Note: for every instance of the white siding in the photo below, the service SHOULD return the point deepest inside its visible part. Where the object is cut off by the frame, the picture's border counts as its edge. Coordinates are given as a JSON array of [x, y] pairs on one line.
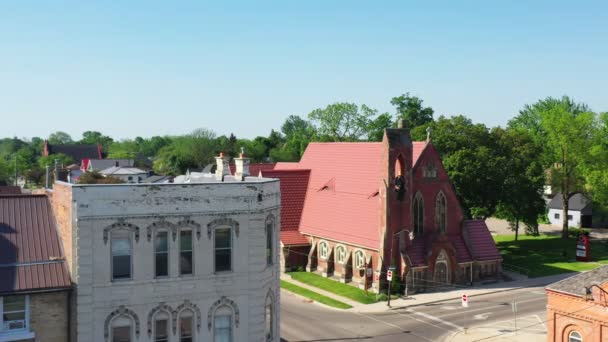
[[557, 221]]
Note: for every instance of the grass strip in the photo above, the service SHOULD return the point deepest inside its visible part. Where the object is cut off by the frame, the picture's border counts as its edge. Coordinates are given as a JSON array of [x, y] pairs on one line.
[[313, 295], [335, 287]]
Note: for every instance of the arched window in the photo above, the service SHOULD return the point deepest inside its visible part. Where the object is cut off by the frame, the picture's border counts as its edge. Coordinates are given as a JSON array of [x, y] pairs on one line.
[[340, 254], [122, 329], [269, 318], [186, 331], [121, 246], [575, 336], [161, 327], [323, 250], [418, 214], [441, 212], [161, 253], [359, 259], [269, 238], [222, 324], [399, 166]]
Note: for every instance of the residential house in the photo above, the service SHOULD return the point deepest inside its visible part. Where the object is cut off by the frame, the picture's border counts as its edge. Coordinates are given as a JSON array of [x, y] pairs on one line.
[[365, 206], [78, 152], [34, 279], [102, 164], [126, 173], [193, 260], [577, 307], [580, 211]]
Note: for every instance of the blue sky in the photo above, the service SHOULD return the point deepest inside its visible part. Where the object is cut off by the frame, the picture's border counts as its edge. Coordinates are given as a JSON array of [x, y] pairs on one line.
[[153, 68]]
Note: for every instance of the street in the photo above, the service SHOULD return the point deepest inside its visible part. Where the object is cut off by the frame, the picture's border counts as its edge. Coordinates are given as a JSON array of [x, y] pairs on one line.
[[305, 321]]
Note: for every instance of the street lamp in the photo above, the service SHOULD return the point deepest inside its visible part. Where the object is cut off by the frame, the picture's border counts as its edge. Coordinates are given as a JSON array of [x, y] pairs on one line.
[[589, 294], [392, 267]]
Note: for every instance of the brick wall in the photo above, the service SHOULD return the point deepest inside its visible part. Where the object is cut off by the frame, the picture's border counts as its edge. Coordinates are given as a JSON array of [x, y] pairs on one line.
[[61, 201], [49, 316], [567, 313]]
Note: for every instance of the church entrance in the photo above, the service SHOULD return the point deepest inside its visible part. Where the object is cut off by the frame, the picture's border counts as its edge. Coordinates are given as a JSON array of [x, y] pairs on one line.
[[442, 271]]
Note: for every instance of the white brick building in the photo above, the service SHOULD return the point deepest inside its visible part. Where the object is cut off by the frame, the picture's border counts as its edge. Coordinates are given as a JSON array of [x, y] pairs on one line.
[[173, 262]]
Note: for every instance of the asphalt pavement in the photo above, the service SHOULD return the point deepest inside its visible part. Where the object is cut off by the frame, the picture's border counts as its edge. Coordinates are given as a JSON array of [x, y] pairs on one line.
[[302, 320]]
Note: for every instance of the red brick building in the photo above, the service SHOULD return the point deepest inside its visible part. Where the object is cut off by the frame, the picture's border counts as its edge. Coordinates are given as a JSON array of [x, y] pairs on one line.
[[577, 308], [348, 207]]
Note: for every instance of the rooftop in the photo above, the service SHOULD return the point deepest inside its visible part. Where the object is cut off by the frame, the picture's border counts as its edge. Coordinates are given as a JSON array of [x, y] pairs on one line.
[[575, 285]]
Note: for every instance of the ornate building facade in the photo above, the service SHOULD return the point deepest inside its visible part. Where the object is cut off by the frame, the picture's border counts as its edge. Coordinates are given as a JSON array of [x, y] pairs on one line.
[[187, 261]]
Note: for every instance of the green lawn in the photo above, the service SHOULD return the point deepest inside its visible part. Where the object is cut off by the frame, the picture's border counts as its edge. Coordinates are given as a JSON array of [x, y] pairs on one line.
[[333, 286], [548, 254], [313, 295]]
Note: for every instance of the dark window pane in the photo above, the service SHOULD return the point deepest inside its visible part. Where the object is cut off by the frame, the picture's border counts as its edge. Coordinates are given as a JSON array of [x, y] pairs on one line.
[[121, 267], [185, 329], [185, 240], [162, 264], [222, 238], [160, 243], [121, 334], [223, 260], [161, 331], [185, 263], [269, 244]]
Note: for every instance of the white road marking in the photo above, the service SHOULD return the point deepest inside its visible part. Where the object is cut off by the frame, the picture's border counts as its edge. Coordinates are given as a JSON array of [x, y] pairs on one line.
[[450, 307], [392, 325], [482, 316], [436, 319], [541, 322]]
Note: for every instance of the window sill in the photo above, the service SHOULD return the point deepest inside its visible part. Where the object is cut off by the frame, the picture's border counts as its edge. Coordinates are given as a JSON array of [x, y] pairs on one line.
[[6, 336]]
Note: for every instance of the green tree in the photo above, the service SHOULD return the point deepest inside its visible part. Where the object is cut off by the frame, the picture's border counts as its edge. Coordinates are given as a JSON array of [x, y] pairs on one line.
[[595, 168], [50, 160], [569, 139], [522, 190], [191, 151], [343, 121], [410, 109], [5, 172], [60, 138], [94, 137], [94, 177], [375, 128]]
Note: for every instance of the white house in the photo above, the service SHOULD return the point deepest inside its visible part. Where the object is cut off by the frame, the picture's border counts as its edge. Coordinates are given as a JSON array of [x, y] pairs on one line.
[[126, 173], [173, 262], [580, 210]]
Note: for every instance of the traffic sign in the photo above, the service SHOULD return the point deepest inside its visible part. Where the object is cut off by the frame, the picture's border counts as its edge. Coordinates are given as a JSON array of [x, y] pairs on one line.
[[376, 276], [465, 301], [389, 275]]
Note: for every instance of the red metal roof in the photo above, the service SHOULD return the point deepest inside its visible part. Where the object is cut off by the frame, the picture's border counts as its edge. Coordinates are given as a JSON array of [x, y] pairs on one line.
[[31, 256], [293, 192], [254, 168], [293, 238], [480, 241], [417, 148], [339, 203], [462, 252], [10, 190], [417, 252]]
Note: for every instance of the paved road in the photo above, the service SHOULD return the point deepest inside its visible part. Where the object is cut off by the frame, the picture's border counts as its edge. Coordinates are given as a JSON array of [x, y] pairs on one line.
[[304, 321]]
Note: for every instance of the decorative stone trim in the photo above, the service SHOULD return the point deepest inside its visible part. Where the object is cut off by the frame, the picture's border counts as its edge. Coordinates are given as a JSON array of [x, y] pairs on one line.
[[160, 224], [121, 311], [219, 303], [187, 305], [224, 221], [121, 224], [161, 307], [188, 223]]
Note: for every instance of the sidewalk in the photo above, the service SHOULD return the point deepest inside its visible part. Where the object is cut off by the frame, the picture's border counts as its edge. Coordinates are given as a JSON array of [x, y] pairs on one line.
[[427, 298]]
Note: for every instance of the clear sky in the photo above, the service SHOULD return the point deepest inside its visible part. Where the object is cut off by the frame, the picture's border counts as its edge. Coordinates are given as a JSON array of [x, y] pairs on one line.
[[129, 68]]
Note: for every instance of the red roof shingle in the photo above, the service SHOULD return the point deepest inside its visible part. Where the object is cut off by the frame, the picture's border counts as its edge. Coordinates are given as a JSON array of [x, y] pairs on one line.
[[480, 241], [31, 256]]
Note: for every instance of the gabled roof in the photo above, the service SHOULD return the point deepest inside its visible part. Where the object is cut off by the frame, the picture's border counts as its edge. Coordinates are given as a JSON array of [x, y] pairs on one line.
[[348, 209], [480, 241], [31, 256], [417, 149], [119, 171], [101, 164], [577, 202], [76, 151], [575, 285]]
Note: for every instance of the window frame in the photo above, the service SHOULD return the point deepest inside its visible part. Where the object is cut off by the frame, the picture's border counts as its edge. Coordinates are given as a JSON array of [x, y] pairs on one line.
[[269, 319], [556, 216], [228, 313], [130, 325], [340, 252], [269, 229], [418, 214], [215, 249], [129, 235], [191, 316], [441, 212], [578, 338], [324, 255], [168, 329], [167, 252], [356, 259], [179, 246], [26, 319]]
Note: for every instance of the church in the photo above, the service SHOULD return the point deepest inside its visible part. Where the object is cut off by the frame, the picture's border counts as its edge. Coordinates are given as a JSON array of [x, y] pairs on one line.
[[351, 210]]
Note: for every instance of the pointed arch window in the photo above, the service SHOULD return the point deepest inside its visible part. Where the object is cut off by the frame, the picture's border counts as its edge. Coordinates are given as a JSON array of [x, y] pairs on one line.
[[269, 318], [269, 239], [418, 214], [441, 212], [359, 259], [323, 250], [341, 254]]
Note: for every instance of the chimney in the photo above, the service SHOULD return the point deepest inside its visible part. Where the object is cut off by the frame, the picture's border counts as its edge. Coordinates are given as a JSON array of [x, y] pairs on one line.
[[222, 167], [401, 123], [242, 166]]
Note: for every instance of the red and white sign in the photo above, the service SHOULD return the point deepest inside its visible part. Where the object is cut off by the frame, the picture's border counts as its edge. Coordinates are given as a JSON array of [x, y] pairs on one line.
[[389, 275], [376, 276], [465, 301]]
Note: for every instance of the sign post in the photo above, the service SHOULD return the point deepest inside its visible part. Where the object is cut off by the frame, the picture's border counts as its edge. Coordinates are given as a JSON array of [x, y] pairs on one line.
[[514, 308], [389, 278], [464, 300]]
